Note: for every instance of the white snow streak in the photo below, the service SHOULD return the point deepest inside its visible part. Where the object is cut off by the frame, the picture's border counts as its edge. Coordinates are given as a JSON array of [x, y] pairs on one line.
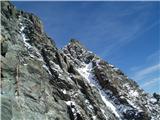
[[33, 52], [24, 37], [86, 72], [108, 103], [45, 67]]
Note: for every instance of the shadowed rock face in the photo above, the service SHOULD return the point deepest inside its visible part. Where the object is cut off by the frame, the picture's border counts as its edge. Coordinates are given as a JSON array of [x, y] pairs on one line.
[[41, 82]]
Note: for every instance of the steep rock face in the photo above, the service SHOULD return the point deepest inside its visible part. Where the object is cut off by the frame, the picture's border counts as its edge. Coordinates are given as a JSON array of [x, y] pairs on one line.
[[41, 82], [26, 70], [129, 100]]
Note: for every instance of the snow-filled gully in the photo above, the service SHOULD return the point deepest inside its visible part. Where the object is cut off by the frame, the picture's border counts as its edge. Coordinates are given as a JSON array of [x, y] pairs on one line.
[[86, 72]]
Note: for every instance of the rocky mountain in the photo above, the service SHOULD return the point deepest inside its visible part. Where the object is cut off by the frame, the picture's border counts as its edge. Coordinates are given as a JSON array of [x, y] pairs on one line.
[[41, 82]]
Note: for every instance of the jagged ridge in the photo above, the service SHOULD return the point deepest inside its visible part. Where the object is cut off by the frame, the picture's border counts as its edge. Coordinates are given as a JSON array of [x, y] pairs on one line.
[[42, 82]]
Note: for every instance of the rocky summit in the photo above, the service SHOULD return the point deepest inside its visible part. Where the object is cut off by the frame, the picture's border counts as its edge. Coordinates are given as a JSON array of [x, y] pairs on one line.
[[41, 82]]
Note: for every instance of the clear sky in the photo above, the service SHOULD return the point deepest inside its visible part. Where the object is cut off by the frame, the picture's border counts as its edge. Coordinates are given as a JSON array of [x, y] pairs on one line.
[[125, 34]]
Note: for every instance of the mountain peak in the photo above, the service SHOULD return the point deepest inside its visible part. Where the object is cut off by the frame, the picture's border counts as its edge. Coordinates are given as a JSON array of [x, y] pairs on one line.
[[74, 41], [78, 51]]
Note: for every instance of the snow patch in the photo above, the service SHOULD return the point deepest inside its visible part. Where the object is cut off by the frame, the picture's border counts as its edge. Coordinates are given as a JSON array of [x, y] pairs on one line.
[[94, 117], [70, 103], [153, 100], [111, 65], [64, 91], [116, 69], [133, 93]]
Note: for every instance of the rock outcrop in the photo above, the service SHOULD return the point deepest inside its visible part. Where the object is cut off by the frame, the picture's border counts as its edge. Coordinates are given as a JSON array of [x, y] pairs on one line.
[[41, 82]]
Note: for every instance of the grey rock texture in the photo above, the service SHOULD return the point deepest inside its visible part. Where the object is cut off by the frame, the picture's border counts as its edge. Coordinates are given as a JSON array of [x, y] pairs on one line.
[[41, 82]]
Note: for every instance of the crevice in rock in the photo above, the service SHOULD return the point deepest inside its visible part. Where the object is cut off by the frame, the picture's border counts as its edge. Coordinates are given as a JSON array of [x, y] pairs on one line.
[[79, 117], [30, 96], [4, 49], [71, 69], [57, 118], [55, 99], [59, 60], [85, 92], [1, 81], [48, 64], [157, 96], [73, 113], [70, 113], [2, 76], [65, 59]]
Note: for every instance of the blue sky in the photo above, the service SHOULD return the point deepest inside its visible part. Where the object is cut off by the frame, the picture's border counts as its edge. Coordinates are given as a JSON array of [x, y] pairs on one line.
[[125, 34]]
